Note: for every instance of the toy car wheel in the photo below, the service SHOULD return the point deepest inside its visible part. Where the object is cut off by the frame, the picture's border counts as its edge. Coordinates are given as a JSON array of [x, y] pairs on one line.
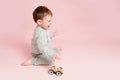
[[51, 72], [58, 73]]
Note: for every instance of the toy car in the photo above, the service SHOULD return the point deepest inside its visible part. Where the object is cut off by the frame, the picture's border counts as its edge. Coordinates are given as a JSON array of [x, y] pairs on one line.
[[53, 70]]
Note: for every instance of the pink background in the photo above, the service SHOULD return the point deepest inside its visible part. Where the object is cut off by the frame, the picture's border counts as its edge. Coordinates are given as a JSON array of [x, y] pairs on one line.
[[88, 32]]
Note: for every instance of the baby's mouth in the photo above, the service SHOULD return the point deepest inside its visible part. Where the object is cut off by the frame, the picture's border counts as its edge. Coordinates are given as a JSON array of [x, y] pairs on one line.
[[48, 26]]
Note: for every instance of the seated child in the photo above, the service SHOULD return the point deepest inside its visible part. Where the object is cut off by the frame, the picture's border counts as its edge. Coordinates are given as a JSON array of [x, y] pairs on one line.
[[42, 53]]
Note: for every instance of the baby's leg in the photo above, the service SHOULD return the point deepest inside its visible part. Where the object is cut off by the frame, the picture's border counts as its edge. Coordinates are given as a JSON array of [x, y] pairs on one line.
[[27, 62], [42, 60], [47, 60]]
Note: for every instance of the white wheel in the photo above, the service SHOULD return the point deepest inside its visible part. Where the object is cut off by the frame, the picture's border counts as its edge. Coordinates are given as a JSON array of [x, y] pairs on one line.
[[50, 72], [58, 73]]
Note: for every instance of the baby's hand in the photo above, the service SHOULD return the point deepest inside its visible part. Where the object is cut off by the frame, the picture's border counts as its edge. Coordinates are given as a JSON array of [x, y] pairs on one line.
[[57, 56], [60, 49], [55, 33]]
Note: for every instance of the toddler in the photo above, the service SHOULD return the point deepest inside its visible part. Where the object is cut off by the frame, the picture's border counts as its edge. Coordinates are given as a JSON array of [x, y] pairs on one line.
[[42, 53]]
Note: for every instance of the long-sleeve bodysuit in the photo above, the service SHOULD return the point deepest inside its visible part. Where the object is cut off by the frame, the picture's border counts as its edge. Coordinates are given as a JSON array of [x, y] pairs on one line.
[[41, 50]]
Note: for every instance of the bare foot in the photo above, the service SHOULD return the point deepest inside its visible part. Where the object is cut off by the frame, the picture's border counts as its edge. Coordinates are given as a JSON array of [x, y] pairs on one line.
[[25, 64], [28, 62]]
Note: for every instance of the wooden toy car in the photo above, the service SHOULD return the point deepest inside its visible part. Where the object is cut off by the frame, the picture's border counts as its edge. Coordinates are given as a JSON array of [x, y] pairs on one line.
[[53, 70]]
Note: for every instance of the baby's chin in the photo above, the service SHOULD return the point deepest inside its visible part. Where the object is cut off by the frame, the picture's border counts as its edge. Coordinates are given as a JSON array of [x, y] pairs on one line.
[[47, 27]]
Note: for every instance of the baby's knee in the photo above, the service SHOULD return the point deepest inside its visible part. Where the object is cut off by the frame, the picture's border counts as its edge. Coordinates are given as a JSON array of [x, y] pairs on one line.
[[51, 62]]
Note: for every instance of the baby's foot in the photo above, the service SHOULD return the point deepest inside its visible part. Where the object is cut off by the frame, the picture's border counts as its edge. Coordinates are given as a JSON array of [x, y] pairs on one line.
[[25, 64]]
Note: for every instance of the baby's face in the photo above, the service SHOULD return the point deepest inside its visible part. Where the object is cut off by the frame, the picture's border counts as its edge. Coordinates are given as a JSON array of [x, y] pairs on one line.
[[46, 22]]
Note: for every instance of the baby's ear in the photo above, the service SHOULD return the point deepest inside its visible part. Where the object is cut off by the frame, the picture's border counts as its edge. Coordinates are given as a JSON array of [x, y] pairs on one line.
[[39, 21]]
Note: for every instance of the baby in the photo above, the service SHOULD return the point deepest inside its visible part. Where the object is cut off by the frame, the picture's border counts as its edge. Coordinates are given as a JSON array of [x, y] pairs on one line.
[[42, 53]]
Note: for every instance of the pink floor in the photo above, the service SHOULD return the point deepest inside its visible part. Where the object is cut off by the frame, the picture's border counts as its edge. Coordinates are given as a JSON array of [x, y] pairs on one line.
[[89, 34], [85, 62]]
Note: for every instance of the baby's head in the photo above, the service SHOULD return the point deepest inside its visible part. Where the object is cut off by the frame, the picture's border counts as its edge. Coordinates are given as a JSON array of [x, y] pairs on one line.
[[42, 16]]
